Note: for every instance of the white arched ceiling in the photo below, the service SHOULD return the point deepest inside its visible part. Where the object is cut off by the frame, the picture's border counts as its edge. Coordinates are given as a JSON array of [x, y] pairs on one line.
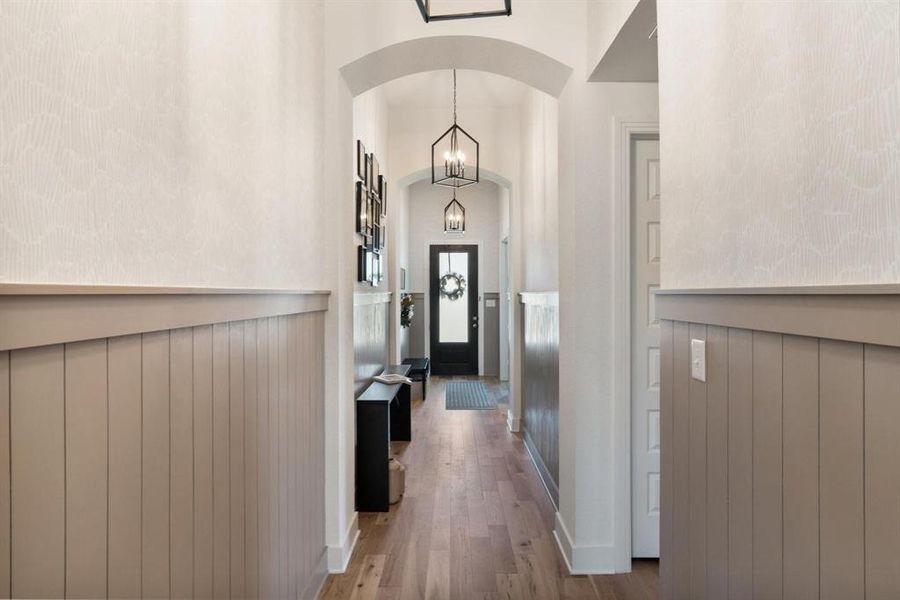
[[426, 174], [460, 52]]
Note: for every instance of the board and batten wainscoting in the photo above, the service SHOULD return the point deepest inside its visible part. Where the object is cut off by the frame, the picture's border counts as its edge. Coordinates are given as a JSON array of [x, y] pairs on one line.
[[540, 384], [417, 342], [491, 326], [371, 337], [161, 442], [780, 473]]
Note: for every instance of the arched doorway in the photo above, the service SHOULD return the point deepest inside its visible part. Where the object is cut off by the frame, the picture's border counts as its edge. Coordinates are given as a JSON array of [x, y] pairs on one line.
[[500, 57]]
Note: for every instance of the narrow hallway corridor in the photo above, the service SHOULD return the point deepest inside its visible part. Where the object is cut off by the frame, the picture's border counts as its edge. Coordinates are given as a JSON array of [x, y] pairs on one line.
[[475, 521]]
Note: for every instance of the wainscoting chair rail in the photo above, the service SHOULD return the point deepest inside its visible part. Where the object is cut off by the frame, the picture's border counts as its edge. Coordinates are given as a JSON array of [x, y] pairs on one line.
[[65, 289], [865, 314], [42, 315]]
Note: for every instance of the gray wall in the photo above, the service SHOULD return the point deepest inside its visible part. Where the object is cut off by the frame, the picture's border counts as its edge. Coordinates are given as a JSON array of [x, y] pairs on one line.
[[540, 386], [371, 341], [417, 345], [491, 325], [780, 473]]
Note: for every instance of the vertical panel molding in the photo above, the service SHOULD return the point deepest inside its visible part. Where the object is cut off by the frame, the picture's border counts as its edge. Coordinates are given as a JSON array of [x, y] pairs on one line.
[[540, 384], [181, 463], [779, 473]]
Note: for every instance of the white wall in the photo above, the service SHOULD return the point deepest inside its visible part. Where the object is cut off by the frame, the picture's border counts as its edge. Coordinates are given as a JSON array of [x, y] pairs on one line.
[[398, 226], [162, 144], [780, 145], [538, 193], [604, 20]]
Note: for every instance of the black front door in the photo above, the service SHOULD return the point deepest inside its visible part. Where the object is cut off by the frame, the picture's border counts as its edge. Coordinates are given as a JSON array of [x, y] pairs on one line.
[[454, 310]]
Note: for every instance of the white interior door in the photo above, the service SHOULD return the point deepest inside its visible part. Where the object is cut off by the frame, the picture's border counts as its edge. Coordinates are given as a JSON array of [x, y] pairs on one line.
[[645, 349]]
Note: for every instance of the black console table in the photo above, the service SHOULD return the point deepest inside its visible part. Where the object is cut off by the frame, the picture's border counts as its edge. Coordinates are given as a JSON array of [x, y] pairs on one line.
[[382, 415], [418, 371], [401, 407]]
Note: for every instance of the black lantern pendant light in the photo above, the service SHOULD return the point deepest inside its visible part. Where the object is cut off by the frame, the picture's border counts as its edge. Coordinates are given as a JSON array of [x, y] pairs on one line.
[[454, 217], [500, 8], [449, 154]]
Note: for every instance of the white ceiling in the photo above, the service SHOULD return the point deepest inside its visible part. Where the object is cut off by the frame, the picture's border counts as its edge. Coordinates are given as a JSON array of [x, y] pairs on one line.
[[434, 89]]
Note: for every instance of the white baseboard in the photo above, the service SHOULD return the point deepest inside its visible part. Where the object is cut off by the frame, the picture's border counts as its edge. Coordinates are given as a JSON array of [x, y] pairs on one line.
[[583, 560], [514, 423], [543, 472], [339, 556], [320, 575]]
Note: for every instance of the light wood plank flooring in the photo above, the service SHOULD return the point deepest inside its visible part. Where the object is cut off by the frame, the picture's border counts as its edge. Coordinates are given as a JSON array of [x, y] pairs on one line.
[[475, 523]]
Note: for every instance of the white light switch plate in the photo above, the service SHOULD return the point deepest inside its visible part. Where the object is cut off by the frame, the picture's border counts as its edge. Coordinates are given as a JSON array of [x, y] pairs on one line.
[[698, 360]]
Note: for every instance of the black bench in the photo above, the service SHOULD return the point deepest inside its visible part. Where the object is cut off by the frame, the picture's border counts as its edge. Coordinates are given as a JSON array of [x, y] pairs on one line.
[[419, 370], [383, 415]]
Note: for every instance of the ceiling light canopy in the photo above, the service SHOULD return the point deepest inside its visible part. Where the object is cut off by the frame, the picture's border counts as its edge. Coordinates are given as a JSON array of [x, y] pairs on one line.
[[440, 10], [450, 153]]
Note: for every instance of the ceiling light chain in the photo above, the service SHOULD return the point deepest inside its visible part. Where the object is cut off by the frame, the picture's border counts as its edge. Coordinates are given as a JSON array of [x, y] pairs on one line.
[[454, 96]]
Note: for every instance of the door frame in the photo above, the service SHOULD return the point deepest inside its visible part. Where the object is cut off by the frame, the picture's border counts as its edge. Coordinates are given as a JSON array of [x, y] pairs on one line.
[[626, 130], [479, 336], [505, 310], [427, 294]]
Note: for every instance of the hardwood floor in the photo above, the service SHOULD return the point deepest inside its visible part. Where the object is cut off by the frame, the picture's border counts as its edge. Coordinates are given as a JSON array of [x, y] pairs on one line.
[[475, 523]]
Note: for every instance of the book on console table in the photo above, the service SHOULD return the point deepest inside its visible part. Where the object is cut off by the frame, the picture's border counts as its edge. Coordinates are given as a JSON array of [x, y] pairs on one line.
[[392, 379]]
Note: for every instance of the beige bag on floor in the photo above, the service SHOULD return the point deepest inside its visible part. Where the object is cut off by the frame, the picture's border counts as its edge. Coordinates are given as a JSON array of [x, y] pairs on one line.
[[396, 481]]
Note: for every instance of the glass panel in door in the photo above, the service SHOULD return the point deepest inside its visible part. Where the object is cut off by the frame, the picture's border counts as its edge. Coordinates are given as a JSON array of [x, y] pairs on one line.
[[454, 308]]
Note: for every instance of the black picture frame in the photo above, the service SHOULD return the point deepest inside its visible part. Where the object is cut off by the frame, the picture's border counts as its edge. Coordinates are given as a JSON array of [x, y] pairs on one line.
[[368, 177], [372, 261], [377, 211], [362, 274], [376, 238], [360, 160], [376, 176], [370, 210], [363, 211], [382, 193], [375, 275]]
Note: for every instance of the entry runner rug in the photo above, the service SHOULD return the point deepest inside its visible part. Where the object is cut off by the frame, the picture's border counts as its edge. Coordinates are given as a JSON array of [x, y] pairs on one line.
[[468, 395]]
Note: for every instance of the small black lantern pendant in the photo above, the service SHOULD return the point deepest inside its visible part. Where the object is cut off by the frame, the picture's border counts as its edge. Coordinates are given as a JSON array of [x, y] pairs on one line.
[[448, 154], [454, 217]]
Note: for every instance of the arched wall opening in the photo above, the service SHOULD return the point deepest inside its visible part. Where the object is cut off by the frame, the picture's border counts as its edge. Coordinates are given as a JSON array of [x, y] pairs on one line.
[[488, 216], [542, 73]]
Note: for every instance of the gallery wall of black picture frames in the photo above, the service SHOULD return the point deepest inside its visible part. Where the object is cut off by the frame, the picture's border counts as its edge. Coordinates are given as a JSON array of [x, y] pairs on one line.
[[371, 216]]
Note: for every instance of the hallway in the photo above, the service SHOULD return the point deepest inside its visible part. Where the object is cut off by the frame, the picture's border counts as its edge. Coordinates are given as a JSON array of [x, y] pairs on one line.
[[475, 522]]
